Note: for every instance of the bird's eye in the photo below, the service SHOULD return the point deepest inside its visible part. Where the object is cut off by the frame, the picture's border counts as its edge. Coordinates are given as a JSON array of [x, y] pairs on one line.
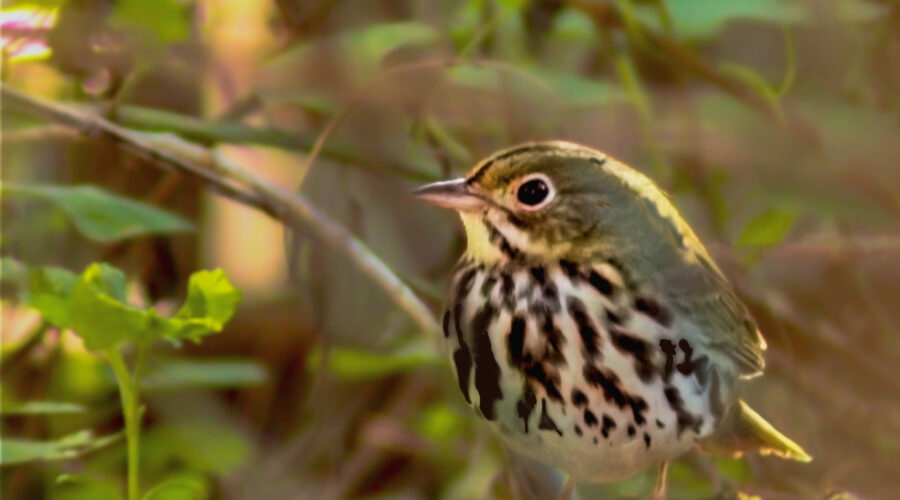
[[534, 192]]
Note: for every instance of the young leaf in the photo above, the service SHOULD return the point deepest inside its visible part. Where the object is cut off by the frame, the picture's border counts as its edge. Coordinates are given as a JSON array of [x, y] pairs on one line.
[[206, 373], [99, 313], [102, 216], [210, 303], [41, 408], [49, 291]]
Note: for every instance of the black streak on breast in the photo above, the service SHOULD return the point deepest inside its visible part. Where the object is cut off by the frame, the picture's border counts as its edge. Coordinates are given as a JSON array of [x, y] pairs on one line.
[[654, 310], [684, 418], [637, 348], [487, 371], [589, 336], [526, 405], [546, 422]]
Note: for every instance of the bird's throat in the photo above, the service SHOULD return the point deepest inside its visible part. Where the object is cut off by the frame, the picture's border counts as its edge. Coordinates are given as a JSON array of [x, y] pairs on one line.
[[479, 246]]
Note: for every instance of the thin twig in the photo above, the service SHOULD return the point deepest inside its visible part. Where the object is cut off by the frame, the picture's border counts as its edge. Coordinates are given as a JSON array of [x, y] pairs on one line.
[[233, 181]]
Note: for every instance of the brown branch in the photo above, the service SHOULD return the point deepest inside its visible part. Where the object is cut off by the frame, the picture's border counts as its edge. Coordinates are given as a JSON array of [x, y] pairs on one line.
[[231, 180]]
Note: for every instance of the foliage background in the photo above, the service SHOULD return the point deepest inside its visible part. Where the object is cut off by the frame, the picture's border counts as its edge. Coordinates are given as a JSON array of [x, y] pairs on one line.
[[773, 124]]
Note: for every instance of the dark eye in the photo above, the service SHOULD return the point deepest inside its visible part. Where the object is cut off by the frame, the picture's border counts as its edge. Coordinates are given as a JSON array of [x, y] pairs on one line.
[[533, 192]]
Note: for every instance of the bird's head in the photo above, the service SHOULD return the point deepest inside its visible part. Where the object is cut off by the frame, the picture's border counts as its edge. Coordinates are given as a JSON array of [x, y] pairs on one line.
[[558, 200]]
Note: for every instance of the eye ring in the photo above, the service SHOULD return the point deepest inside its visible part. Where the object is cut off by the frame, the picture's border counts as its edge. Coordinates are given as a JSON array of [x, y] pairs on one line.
[[534, 192]]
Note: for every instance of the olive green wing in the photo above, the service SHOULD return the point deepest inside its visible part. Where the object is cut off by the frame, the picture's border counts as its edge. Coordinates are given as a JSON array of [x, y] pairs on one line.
[[723, 323]]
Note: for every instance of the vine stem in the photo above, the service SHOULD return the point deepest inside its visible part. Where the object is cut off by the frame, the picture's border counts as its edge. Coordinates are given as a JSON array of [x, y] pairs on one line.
[[128, 392]]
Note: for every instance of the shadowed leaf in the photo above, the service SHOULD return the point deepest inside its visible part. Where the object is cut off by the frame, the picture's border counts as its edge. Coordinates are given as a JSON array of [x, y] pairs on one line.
[[102, 216]]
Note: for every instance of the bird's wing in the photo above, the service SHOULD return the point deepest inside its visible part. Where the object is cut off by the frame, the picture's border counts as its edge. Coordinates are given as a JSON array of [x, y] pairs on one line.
[[724, 324]]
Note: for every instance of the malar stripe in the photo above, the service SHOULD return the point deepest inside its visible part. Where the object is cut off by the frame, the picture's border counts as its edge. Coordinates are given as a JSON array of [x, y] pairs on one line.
[[497, 238]]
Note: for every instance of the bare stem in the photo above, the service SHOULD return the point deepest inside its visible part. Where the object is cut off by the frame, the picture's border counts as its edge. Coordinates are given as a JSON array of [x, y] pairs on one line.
[[230, 179]]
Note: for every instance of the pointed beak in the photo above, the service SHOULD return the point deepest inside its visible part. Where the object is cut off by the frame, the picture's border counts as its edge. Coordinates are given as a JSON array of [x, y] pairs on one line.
[[454, 194]]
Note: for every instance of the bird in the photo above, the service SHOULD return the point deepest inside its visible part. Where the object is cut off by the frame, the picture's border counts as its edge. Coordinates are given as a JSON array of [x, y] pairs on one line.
[[588, 325]]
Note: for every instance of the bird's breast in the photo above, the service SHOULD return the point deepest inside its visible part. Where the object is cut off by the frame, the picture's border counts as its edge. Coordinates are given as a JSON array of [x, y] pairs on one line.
[[576, 367]]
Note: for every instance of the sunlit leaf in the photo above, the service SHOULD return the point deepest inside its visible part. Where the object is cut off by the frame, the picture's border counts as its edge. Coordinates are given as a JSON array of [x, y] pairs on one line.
[[210, 303], [99, 313], [41, 408], [102, 216], [17, 451], [768, 228], [204, 373]]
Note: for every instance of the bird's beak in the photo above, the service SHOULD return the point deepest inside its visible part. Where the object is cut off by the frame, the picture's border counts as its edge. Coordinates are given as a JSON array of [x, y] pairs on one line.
[[454, 194]]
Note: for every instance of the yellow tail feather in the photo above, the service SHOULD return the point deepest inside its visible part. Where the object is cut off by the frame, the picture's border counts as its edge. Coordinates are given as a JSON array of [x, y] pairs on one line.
[[744, 430]]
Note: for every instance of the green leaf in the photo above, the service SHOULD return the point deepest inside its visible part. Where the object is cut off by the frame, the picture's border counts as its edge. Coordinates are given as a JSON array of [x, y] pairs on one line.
[[210, 303], [41, 408], [166, 20], [17, 451], [102, 216], [357, 364], [705, 18], [207, 373], [375, 42], [362, 49], [768, 228], [99, 313], [180, 487], [753, 80], [49, 291], [79, 487]]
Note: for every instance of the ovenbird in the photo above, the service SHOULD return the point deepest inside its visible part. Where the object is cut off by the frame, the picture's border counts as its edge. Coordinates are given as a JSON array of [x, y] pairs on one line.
[[588, 324]]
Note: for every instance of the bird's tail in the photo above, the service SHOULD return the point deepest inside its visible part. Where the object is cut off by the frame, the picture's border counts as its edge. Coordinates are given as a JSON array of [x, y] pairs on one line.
[[744, 430]]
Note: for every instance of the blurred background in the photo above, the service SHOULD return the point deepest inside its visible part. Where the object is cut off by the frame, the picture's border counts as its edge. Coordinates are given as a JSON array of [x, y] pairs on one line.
[[773, 124]]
